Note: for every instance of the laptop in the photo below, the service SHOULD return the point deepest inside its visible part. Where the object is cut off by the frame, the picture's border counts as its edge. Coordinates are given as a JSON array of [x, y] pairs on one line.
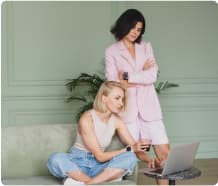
[[180, 158]]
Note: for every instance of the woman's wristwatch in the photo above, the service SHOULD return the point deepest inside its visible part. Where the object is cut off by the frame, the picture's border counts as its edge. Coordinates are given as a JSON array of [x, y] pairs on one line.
[[129, 148], [125, 76]]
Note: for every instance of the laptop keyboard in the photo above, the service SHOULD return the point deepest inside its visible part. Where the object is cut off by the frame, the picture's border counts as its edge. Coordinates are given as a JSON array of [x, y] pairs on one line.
[[159, 171]]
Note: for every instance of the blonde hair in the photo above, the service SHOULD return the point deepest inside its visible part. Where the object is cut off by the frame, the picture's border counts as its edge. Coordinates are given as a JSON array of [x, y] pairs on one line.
[[105, 90]]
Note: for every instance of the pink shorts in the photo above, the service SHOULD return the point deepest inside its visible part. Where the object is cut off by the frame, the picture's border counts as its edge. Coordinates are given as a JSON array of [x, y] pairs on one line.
[[153, 130]]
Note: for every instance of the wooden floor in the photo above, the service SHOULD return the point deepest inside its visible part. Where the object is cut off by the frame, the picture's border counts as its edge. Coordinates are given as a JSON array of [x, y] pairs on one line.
[[209, 174]]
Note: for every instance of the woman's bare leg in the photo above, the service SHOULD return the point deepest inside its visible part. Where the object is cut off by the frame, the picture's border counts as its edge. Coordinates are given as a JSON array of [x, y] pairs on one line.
[[107, 175], [161, 152]]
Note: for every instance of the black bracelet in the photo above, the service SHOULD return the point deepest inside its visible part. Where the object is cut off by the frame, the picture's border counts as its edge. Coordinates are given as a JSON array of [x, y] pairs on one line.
[[129, 148], [125, 76]]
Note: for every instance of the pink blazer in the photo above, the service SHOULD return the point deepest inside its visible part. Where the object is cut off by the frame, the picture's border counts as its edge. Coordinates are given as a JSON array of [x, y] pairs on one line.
[[142, 98]]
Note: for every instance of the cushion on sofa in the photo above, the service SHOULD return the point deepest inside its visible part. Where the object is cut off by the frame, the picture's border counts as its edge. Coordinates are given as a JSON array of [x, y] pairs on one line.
[[25, 149]]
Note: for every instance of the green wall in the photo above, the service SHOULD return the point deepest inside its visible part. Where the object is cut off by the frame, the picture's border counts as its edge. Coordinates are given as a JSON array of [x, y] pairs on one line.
[[44, 43]]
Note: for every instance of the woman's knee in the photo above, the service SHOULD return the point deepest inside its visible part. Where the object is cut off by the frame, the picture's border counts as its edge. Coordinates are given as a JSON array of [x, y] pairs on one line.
[[131, 158], [55, 159], [128, 158], [57, 164]]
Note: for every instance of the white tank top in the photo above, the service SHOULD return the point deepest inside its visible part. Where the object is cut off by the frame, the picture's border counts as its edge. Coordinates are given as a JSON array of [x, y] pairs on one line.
[[104, 132]]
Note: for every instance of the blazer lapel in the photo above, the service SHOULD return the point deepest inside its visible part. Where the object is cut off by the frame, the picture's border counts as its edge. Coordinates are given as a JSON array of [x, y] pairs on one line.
[[125, 54], [139, 52]]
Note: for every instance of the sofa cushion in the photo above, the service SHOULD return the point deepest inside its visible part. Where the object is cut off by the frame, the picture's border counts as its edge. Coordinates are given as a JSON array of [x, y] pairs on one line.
[[25, 149]]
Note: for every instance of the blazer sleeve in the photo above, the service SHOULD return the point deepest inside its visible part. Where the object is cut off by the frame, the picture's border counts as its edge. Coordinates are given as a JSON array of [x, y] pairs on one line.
[[111, 72], [145, 76]]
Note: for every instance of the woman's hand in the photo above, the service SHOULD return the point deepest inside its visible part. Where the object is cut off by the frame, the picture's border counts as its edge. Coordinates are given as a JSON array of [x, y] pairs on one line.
[[148, 64], [140, 146], [125, 83], [153, 163]]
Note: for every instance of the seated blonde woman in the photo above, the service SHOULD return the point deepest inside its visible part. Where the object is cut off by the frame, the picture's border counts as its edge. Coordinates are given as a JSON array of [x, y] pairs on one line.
[[87, 162]]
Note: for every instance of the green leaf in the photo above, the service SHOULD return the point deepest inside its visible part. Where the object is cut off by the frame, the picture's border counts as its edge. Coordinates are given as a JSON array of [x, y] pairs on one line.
[[84, 79], [76, 98], [164, 85]]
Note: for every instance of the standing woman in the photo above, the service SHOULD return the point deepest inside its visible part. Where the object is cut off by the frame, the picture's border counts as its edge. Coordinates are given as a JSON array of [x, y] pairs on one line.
[[131, 62]]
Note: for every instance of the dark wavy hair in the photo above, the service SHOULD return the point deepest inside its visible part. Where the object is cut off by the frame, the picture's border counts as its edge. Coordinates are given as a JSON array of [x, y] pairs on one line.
[[126, 22]]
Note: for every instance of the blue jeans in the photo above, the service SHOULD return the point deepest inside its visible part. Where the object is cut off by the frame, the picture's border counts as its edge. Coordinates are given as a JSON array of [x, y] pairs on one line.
[[61, 163]]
